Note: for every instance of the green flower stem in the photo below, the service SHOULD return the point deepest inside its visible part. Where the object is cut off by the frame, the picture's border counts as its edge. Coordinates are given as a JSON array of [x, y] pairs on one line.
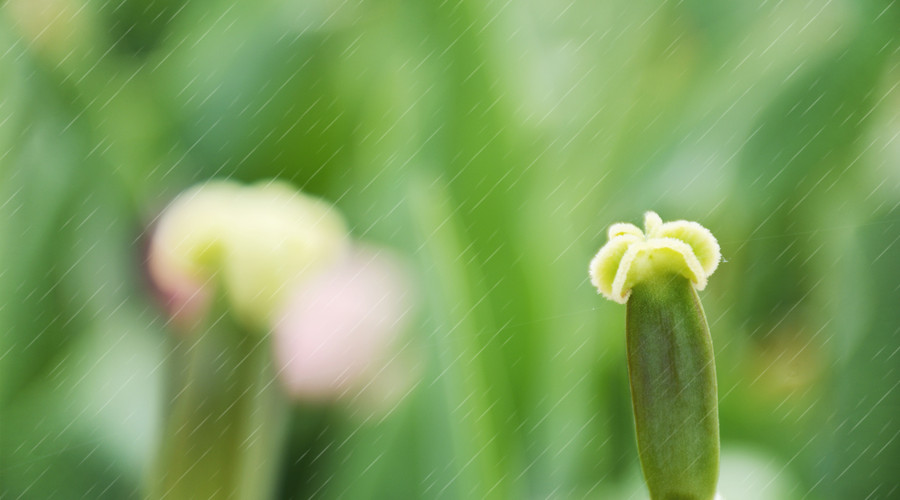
[[673, 389], [226, 419]]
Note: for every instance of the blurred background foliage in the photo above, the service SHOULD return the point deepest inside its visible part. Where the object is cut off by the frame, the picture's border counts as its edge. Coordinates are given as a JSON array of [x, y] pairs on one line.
[[492, 143]]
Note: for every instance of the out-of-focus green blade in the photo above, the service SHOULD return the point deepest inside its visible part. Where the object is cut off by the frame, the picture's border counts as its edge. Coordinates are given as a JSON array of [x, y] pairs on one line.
[[468, 369]]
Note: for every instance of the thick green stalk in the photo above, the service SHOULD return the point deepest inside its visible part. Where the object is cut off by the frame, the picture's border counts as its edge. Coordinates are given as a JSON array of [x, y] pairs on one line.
[[225, 420], [673, 389]]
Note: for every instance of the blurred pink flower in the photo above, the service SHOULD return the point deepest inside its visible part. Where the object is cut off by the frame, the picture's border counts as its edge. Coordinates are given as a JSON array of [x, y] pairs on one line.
[[338, 335]]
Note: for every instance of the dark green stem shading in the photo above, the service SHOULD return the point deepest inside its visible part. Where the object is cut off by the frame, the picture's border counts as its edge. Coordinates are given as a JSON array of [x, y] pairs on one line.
[[673, 389], [225, 421]]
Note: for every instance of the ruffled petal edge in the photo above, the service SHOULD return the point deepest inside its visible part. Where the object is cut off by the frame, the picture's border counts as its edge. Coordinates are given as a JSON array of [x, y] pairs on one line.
[[652, 257], [702, 242], [604, 266]]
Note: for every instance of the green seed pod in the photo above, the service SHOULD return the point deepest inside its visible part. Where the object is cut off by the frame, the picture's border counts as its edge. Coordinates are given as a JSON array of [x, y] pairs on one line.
[[670, 355]]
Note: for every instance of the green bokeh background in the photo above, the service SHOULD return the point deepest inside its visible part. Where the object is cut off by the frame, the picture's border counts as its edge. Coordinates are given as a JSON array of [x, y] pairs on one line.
[[491, 143]]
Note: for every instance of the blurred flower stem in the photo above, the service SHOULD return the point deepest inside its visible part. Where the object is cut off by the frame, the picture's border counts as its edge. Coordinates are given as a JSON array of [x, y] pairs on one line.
[[226, 417]]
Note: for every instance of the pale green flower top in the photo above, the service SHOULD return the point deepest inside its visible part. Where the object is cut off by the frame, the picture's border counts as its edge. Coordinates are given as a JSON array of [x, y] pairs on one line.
[[631, 255], [255, 242]]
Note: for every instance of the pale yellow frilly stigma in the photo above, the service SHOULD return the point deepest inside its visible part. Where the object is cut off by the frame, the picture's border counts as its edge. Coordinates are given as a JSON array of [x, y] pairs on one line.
[[631, 255]]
